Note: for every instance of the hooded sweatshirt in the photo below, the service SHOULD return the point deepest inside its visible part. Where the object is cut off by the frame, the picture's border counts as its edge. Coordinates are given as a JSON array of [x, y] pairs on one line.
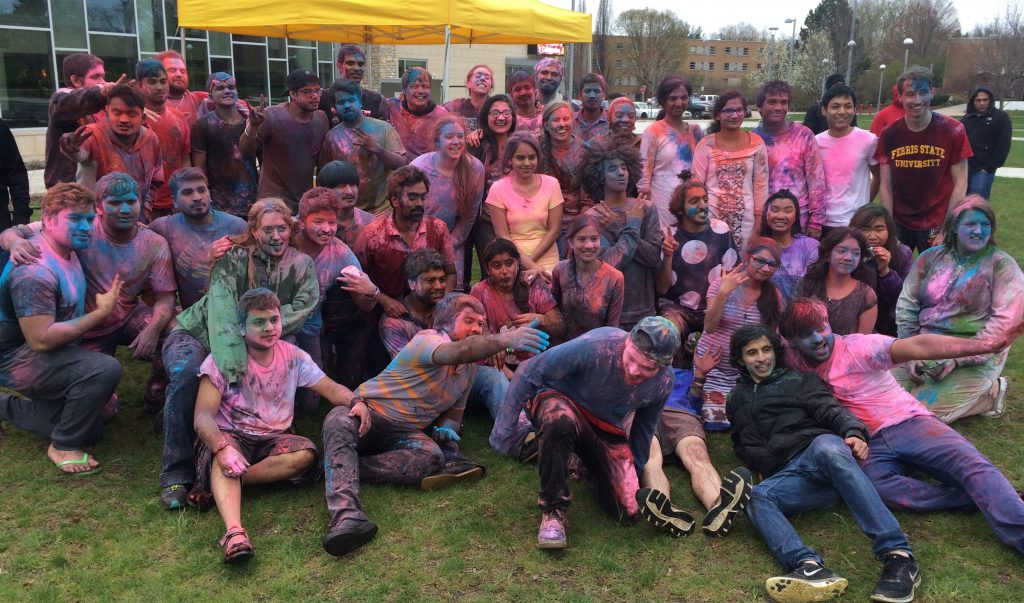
[[989, 132]]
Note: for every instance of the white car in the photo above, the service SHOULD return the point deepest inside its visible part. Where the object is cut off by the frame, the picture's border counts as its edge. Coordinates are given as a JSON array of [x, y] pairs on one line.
[[643, 110], [708, 99]]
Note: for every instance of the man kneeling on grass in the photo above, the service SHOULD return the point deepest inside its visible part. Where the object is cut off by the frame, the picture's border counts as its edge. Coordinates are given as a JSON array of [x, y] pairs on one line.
[[416, 404], [245, 429], [787, 426]]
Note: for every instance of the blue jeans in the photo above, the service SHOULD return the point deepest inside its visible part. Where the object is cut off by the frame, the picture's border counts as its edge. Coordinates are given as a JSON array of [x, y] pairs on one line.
[[980, 182], [489, 387], [818, 477], [182, 356], [966, 477]]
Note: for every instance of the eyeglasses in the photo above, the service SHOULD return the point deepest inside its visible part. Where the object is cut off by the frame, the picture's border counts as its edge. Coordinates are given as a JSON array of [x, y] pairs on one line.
[[763, 263], [732, 111], [310, 91], [496, 113]]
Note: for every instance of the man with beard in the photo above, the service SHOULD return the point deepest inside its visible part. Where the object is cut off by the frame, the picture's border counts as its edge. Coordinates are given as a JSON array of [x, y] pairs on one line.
[[289, 135], [187, 102], [351, 66], [529, 113], [415, 115], [170, 128], [548, 75], [371, 145], [590, 121]]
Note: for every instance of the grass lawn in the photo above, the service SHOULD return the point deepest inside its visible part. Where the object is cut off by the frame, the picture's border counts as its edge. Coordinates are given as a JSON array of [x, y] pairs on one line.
[[105, 538]]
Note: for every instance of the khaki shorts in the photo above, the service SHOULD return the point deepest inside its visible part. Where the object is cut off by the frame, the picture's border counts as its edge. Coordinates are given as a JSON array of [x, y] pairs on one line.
[[674, 426]]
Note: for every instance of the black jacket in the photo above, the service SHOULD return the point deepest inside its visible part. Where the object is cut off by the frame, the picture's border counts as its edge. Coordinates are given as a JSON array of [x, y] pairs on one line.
[[776, 419], [14, 197], [989, 133]]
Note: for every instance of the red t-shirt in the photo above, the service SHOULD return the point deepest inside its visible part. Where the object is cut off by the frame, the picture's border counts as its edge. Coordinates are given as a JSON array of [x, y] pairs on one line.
[[172, 130], [921, 164]]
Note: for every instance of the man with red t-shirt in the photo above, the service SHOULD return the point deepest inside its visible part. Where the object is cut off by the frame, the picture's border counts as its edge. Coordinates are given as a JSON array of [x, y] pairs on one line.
[[170, 128], [187, 102], [924, 163]]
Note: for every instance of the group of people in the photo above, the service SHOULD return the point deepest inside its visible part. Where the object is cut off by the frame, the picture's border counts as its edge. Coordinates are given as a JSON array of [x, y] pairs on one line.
[[636, 292]]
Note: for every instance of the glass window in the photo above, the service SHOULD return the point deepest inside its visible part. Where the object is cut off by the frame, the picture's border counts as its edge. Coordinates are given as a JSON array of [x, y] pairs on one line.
[[278, 75], [303, 43], [220, 44], [27, 13], [252, 39], [26, 78], [250, 71], [151, 25], [276, 48], [118, 54], [220, 64], [302, 58], [325, 52], [68, 17], [327, 74], [196, 57], [407, 64], [114, 16]]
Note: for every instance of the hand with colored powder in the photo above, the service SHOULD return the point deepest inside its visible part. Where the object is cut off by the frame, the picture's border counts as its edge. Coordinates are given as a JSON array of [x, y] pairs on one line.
[[527, 339], [25, 251], [445, 434]]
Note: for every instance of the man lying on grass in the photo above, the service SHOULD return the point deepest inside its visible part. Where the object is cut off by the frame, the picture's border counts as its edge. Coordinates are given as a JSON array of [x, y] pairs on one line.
[[244, 430]]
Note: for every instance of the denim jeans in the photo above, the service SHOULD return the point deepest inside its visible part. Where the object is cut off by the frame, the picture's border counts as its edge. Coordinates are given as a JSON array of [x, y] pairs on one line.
[[824, 473], [967, 478], [488, 388], [980, 182], [182, 356]]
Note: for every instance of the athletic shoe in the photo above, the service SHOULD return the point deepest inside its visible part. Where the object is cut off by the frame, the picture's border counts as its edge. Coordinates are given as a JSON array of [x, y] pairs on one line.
[[900, 578], [808, 582], [346, 540], [999, 407], [551, 534], [732, 499], [657, 509], [174, 496], [453, 472], [529, 448]]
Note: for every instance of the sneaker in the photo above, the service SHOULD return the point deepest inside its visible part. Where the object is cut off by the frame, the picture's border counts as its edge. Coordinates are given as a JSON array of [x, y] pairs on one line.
[[529, 448], [900, 578], [999, 406], [657, 509], [732, 499], [346, 540], [551, 534], [174, 496], [808, 582], [453, 472]]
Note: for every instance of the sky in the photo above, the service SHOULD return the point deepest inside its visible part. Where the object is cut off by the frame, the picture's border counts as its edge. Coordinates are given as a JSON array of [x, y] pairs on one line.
[[707, 15]]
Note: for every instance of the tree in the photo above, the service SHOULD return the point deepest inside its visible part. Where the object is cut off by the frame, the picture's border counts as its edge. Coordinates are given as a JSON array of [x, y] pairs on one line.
[[814, 61], [998, 59], [742, 32], [602, 29], [930, 23], [654, 42]]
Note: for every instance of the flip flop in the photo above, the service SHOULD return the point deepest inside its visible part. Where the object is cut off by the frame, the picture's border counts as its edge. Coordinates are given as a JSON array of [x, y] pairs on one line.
[[82, 461]]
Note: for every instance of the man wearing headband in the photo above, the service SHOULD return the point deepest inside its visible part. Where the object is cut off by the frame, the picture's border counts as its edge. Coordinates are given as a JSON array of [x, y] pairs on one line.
[[548, 75], [579, 397]]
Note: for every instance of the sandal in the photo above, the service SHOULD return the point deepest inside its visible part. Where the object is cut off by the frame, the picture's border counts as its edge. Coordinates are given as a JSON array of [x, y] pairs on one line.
[[239, 550], [77, 463]]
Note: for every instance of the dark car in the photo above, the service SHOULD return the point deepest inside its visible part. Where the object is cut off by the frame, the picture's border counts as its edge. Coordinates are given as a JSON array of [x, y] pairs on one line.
[[698, 110]]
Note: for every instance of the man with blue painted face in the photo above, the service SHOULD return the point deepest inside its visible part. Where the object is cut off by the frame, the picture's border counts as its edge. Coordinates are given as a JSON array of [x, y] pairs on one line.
[[42, 315], [789, 428], [590, 121], [904, 433], [372, 145]]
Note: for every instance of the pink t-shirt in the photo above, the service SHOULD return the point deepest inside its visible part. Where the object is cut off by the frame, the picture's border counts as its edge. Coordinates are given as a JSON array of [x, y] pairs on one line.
[[528, 218], [263, 403], [858, 372]]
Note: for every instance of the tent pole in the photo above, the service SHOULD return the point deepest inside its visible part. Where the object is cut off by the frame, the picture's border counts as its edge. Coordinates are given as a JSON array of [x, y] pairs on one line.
[[447, 61]]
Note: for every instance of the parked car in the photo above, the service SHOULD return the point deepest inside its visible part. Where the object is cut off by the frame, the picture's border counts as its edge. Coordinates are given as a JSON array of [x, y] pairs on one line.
[[698, 109], [708, 99], [643, 110]]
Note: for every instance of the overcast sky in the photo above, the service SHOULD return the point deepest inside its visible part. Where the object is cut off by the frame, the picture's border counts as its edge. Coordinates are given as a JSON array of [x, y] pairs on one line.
[[710, 15]]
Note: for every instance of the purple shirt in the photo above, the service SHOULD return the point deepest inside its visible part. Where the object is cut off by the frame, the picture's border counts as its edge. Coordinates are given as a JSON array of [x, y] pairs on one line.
[[794, 162], [290, 150], [233, 177], [416, 131]]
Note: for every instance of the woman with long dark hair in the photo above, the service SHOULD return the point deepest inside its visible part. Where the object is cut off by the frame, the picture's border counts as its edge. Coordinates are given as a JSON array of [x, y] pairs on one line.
[[667, 145], [561, 153], [497, 121], [888, 258], [588, 290], [840, 279], [780, 221]]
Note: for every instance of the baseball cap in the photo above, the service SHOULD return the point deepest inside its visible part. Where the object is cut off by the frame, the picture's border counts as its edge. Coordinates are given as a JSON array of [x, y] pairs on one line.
[[657, 338]]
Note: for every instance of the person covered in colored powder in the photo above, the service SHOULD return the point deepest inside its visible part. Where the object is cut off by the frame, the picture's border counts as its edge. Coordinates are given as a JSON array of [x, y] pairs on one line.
[[631, 234], [841, 280], [287, 138], [416, 406], [547, 73], [351, 64], [579, 396], [245, 430], [63, 386], [621, 125], [780, 221], [966, 287], [343, 178], [171, 128], [523, 90], [119, 144], [924, 163], [733, 164], [589, 291], [667, 145], [590, 121], [814, 119], [456, 188], [479, 84], [497, 122], [372, 145], [805, 445], [415, 115], [904, 433], [233, 178], [561, 156], [794, 162], [263, 256], [189, 103], [888, 258]]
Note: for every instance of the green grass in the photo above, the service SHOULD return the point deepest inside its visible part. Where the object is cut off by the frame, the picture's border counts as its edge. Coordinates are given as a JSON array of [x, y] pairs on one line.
[[105, 538]]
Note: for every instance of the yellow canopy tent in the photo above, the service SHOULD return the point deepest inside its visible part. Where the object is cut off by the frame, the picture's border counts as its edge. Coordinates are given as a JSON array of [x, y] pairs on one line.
[[375, 22]]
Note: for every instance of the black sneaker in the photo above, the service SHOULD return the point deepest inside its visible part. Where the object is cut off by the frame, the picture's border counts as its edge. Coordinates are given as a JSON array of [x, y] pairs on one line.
[[529, 448], [657, 509], [733, 498], [454, 471], [900, 578], [808, 582], [343, 541]]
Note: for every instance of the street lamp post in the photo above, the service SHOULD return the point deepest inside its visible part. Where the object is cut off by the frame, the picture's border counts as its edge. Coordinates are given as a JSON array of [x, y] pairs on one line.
[[849, 59], [907, 43], [792, 44], [824, 77], [771, 50], [881, 75]]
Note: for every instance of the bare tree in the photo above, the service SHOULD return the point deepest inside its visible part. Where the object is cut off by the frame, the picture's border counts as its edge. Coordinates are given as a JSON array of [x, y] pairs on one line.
[[815, 60], [931, 24], [742, 32], [998, 56], [654, 42], [602, 29]]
